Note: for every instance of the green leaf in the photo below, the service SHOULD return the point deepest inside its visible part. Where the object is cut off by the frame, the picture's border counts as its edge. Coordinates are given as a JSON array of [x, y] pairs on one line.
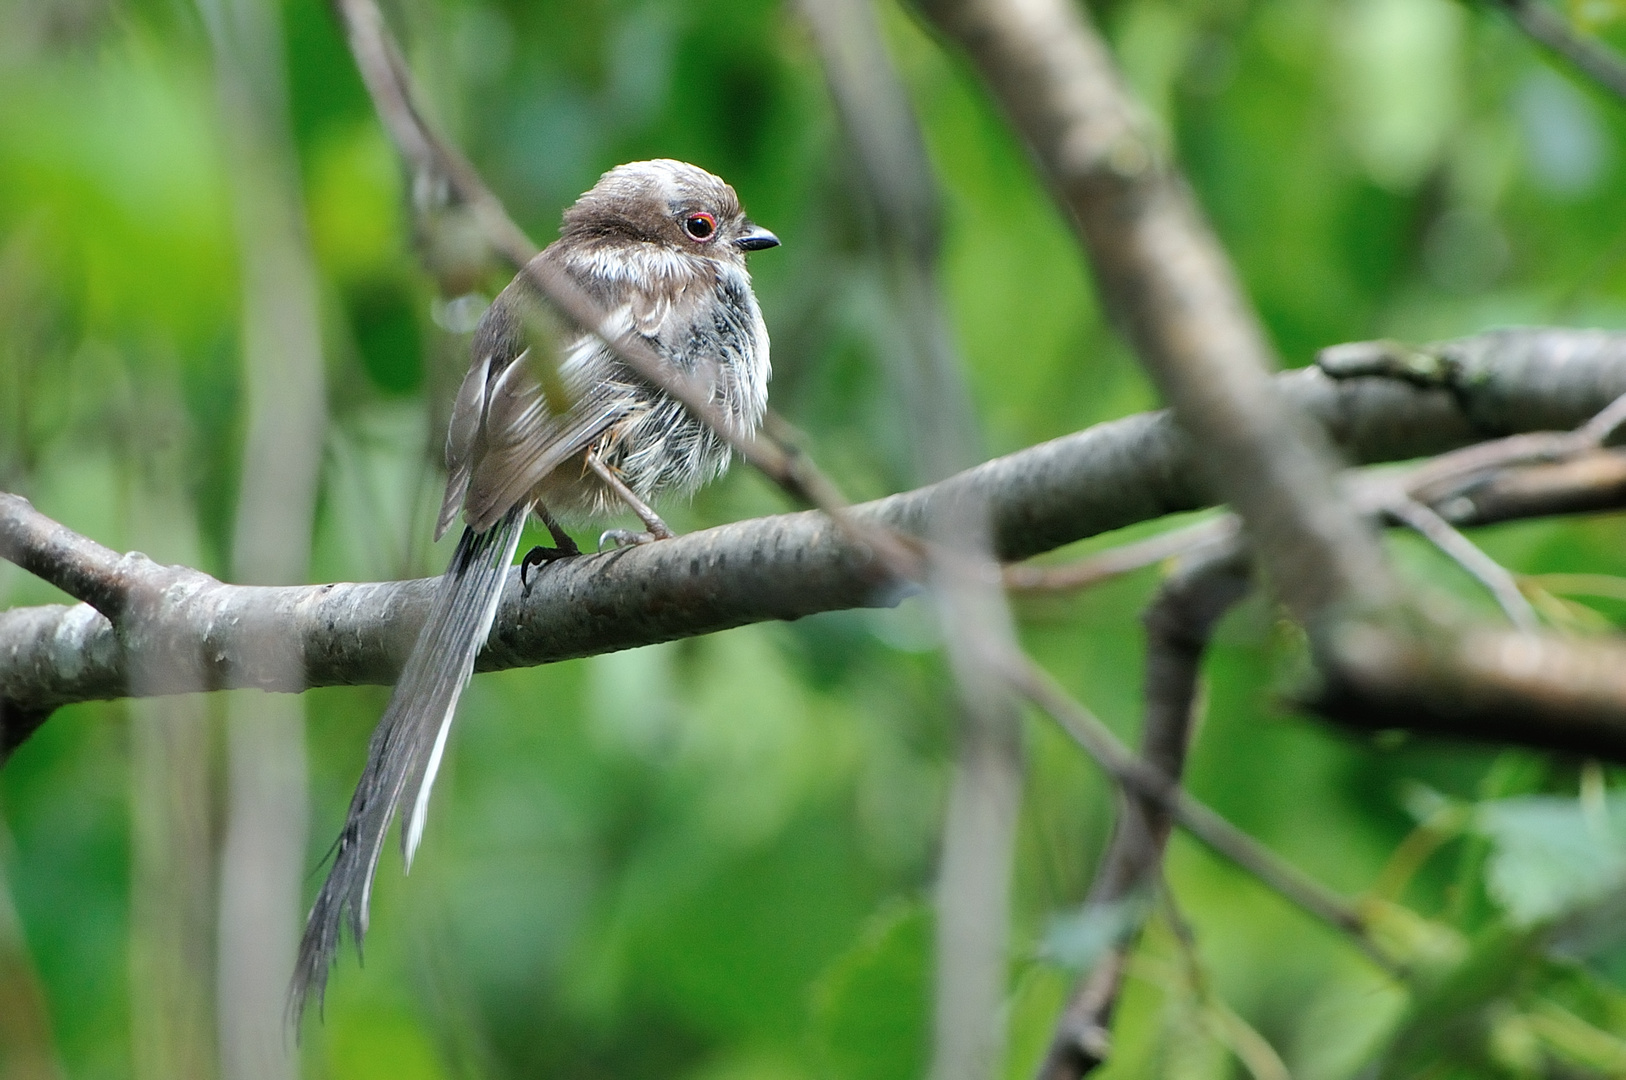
[[870, 1007], [1550, 855], [1078, 939]]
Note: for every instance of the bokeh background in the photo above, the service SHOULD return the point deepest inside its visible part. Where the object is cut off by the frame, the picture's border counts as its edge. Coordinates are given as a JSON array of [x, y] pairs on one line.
[[713, 859]]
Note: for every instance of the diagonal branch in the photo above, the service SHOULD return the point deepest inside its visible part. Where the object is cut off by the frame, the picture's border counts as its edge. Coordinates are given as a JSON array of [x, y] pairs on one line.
[[1554, 33], [1496, 579], [1169, 286], [442, 177], [1140, 778]]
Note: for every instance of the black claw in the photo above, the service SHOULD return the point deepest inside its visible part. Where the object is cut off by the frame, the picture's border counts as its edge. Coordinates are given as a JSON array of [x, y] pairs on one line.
[[540, 556]]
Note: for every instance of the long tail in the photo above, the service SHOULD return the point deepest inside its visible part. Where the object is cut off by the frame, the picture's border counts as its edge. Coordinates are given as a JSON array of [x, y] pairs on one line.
[[406, 748]]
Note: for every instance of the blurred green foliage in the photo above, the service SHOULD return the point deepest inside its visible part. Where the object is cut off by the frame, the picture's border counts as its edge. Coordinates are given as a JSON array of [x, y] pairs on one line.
[[713, 859]]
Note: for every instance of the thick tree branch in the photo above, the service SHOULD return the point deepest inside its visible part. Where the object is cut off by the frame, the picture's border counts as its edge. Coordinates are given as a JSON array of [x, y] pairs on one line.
[[1165, 280], [183, 629], [1483, 684], [1179, 622]]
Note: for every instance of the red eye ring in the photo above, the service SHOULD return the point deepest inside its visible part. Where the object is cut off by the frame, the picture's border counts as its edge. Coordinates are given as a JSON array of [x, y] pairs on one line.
[[700, 227]]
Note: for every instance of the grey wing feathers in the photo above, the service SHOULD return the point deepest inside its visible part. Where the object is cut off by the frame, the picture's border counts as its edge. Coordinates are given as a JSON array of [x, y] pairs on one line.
[[526, 436], [525, 406], [463, 440], [405, 750]]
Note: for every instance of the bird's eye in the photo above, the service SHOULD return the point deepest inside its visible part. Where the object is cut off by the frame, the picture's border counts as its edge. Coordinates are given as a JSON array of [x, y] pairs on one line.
[[700, 227]]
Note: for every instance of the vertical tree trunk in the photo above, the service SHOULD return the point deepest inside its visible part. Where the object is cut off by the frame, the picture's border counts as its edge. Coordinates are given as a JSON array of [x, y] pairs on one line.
[[171, 783], [262, 861]]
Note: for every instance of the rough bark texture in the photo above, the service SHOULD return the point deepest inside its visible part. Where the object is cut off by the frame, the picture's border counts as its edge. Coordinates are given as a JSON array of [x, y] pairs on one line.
[[1169, 286], [204, 633]]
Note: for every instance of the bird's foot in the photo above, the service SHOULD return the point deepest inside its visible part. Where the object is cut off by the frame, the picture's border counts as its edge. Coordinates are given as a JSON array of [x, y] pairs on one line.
[[622, 538], [540, 556]]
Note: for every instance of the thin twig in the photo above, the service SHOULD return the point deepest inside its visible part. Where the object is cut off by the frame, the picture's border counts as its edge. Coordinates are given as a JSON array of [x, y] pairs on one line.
[[1553, 32], [1466, 554], [1221, 836], [441, 175], [1225, 1025], [1115, 562], [1601, 428], [1179, 623], [1442, 476]]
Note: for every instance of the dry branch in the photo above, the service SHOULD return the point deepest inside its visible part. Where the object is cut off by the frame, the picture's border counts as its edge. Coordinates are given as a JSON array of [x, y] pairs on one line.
[[1496, 579], [1144, 781]]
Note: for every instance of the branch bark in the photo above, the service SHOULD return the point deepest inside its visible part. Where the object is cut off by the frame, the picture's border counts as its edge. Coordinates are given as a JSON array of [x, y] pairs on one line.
[[185, 630], [973, 894], [1179, 623], [1166, 282]]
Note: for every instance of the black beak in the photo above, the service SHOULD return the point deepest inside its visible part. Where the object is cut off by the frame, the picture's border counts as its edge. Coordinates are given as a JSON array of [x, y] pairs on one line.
[[756, 238]]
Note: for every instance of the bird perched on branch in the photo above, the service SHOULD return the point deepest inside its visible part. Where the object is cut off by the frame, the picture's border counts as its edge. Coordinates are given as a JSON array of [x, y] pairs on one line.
[[551, 420]]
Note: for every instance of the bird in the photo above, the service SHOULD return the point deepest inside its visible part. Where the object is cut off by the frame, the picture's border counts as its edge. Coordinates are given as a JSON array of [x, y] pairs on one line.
[[549, 420]]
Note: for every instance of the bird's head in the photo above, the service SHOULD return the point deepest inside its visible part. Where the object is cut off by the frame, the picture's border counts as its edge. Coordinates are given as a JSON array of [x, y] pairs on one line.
[[666, 202]]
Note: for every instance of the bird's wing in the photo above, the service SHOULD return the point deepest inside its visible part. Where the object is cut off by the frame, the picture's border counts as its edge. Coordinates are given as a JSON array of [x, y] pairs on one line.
[[528, 432], [548, 404], [463, 439]]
